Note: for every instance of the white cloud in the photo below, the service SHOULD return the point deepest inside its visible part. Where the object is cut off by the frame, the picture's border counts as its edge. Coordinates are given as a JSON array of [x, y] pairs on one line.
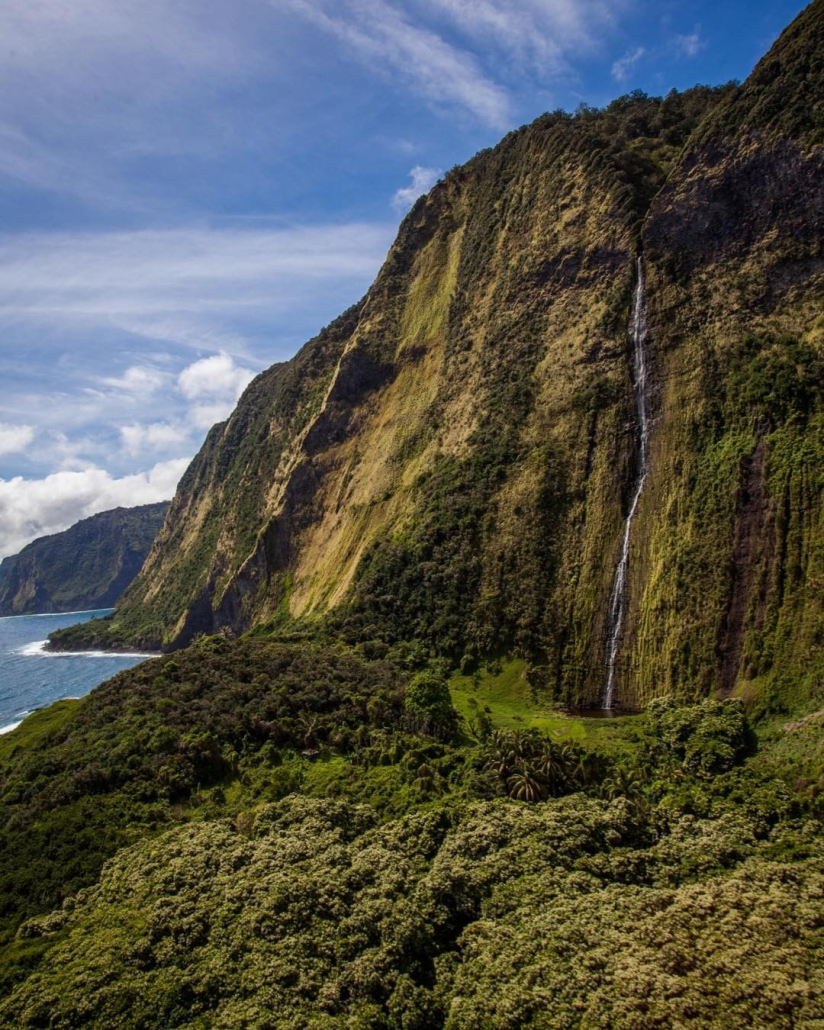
[[423, 179], [204, 416], [210, 388], [622, 68], [385, 39], [14, 439], [140, 380], [154, 436], [690, 44], [186, 278], [217, 375], [543, 34], [30, 508]]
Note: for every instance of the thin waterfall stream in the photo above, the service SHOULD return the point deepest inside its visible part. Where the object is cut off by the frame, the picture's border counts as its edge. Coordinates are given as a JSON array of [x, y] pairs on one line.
[[618, 596]]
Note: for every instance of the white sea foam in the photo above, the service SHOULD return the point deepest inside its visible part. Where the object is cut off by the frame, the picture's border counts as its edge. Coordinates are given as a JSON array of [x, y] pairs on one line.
[[37, 648], [54, 615], [11, 726]]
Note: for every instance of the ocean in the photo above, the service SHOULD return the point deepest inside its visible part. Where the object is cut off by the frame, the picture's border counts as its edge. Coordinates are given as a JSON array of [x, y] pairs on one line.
[[32, 678]]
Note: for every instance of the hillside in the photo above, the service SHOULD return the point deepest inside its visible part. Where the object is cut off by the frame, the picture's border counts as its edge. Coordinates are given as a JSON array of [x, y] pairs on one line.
[[299, 836], [452, 460], [356, 794], [87, 566]]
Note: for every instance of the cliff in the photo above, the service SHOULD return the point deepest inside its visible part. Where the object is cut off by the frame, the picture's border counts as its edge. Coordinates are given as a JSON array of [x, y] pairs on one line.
[[87, 566], [451, 461]]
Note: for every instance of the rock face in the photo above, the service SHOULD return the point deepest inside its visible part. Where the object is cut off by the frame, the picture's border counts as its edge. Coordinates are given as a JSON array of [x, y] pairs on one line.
[[87, 566], [451, 460]]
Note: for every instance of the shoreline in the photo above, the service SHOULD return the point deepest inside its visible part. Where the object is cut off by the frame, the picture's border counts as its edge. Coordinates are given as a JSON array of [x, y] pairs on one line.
[[52, 615], [40, 648]]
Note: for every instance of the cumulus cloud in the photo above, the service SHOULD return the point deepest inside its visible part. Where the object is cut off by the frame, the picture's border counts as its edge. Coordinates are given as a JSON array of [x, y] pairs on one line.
[[116, 312], [30, 508], [204, 416], [210, 388], [423, 179], [217, 375], [623, 67], [14, 439]]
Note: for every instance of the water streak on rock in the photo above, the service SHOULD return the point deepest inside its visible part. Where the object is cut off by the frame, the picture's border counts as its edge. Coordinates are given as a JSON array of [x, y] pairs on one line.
[[618, 597]]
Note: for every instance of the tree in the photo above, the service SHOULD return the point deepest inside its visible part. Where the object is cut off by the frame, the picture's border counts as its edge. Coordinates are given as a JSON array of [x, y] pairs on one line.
[[429, 706]]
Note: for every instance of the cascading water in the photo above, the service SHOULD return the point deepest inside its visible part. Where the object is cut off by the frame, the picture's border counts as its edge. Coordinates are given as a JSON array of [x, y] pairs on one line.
[[618, 597]]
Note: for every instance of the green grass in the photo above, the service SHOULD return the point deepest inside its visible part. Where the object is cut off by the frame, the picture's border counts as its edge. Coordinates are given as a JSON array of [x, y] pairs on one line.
[[506, 698], [36, 726]]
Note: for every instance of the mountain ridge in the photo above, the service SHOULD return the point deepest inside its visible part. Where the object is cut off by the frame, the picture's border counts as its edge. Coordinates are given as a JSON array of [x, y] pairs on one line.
[[88, 565], [450, 460]]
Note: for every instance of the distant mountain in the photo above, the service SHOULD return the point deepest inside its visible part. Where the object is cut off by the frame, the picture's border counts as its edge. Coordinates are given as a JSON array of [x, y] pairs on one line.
[[86, 566]]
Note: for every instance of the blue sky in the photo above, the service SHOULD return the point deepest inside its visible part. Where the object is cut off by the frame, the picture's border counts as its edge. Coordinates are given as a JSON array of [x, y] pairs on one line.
[[189, 189]]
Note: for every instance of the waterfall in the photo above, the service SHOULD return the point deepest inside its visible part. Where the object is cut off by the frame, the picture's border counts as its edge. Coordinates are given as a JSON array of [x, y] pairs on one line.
[[618, 597]]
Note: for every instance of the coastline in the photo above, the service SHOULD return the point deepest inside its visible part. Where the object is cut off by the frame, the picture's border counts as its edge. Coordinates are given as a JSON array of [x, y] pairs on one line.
[[51, 615], [41, 648]]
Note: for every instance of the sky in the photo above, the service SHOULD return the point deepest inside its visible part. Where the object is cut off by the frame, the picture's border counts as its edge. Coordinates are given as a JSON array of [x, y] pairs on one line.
[[191, 189]]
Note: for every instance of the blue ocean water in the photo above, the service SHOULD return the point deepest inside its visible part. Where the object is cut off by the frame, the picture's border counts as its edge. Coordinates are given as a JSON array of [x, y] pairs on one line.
[[32, 678]]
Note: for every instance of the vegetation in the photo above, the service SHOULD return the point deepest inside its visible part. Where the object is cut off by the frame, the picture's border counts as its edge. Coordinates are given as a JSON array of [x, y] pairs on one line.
[[372, 809], [87, 566], [299, 835]]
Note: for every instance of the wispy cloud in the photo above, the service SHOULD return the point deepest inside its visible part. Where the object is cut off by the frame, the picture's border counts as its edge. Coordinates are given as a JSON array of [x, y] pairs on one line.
[[118, 63], [387, 40], [691, 44], [149, 281], [30, 508], [544, 35], [423, 179], [624, 66]]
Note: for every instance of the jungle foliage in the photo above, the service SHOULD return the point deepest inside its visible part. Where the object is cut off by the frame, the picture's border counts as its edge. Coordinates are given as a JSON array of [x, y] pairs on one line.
[[323, 839], [295, 834]]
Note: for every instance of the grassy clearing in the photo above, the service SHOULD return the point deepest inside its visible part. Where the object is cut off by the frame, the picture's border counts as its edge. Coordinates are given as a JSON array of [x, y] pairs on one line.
[[505, 696]]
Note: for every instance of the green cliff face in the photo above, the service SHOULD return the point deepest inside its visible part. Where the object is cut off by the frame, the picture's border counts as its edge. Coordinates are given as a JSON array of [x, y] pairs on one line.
[[452, 460], [727, 581], [297, 828], [87, 566]]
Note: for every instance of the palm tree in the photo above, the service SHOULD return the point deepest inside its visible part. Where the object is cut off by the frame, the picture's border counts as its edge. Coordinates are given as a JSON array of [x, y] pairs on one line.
[[524, 784], [623, 782], [550, 765]]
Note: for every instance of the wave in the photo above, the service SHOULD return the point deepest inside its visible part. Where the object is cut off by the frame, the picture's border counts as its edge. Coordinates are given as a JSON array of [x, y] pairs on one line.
[[55, 615], [37, 648], [11, 726]]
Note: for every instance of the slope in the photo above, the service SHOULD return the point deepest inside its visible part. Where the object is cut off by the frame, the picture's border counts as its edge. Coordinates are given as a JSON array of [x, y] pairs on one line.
[[452, 461], [87, 566]]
